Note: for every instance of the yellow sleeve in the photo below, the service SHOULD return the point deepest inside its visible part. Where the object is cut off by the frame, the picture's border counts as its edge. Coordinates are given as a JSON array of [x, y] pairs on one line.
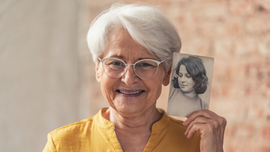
[[50, 146]]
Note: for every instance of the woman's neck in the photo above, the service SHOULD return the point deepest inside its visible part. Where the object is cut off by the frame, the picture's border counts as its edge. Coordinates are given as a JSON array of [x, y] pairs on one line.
[[135, 123], [133, 133], [191, 95]]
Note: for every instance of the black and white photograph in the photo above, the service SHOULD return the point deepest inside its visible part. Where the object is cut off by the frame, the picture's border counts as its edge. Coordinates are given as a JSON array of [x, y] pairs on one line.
[[190, 86]]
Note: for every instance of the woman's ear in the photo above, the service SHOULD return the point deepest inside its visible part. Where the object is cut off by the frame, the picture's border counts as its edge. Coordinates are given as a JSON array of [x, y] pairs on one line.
[[98, 73], [166, 79]]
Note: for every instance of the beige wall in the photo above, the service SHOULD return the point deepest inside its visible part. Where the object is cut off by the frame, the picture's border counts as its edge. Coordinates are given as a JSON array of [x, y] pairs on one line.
[[40, 84]]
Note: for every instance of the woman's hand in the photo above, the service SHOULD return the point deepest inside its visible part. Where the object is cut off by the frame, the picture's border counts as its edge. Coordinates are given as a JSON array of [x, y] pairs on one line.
[[210, 125]]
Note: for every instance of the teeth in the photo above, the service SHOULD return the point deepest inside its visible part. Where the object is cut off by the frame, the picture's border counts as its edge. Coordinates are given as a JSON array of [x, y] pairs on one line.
[[135, 92]]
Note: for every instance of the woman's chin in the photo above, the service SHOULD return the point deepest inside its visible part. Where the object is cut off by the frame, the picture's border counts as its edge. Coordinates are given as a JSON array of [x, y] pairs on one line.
[[129, 107], [131, 104], [185, 91]]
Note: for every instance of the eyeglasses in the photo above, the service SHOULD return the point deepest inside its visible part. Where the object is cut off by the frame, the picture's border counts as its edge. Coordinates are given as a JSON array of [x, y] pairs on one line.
[[144, 69]]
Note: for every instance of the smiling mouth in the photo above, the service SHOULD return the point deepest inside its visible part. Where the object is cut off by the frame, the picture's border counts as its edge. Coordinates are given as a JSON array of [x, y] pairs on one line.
[[130, 92]]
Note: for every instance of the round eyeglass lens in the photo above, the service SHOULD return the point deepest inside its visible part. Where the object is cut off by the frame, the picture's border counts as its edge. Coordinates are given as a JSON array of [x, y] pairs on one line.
[[146, 69], [114, 68]]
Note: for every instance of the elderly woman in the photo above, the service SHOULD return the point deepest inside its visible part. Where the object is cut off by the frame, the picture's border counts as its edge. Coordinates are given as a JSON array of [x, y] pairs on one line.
[[132, 46], [191, 80]]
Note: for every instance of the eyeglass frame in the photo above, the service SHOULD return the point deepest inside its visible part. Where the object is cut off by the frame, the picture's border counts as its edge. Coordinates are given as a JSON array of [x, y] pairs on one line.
[[126, 64]]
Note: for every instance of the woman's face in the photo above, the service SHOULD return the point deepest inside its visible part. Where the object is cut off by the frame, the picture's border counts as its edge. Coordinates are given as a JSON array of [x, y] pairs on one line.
[[185, 80], [129, 95]]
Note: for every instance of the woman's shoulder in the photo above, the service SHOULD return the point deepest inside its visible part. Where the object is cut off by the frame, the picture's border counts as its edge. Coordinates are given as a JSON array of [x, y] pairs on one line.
[[80, 128], [174, 93], [204, 105], [72, 128], [70, 137]]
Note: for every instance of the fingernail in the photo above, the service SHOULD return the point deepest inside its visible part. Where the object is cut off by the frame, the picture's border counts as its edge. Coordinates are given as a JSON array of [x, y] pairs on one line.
[[184, 122]]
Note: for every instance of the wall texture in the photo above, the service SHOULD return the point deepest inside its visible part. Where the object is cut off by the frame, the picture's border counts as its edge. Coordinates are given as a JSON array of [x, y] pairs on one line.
[[39, 71], [237, 34]]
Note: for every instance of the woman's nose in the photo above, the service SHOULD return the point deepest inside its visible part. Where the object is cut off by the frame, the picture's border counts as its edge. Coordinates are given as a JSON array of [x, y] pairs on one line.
[[182, 79], [130, 77]]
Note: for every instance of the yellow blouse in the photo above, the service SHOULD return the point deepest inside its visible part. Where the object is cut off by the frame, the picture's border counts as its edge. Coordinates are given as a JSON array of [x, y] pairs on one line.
[[96, 134]]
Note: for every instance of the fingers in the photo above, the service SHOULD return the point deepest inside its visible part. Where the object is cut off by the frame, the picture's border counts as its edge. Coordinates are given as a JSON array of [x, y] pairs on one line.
[[203, 123], [208, 120], [205, 129], [204, 113], [201, 113], [199, 121], [223, 123], [210, 125]]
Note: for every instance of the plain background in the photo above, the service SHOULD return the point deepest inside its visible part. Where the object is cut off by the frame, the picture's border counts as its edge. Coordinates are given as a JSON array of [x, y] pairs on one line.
[[41, 84]]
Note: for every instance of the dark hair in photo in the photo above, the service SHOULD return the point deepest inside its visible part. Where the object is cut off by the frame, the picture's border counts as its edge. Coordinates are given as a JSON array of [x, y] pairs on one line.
[[196, 69]]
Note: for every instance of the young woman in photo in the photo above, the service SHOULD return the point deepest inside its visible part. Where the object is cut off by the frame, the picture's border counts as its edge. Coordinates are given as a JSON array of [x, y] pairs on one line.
[[191, 80]]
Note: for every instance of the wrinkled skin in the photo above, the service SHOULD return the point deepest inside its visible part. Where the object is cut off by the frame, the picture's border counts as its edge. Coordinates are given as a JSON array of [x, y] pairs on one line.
[[210, 125]]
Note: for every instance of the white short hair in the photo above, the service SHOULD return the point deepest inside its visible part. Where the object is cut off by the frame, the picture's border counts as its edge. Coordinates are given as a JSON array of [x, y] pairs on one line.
[[147, 25]]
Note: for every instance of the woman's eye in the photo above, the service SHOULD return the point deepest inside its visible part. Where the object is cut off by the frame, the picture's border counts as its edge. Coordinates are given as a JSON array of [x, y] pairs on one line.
[[180, 75], [188, 75], [146, 64], [116, 63]]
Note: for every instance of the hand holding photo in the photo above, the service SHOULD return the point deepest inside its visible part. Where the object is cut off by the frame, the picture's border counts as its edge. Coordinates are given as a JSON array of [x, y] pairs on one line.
[[190, 84]]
